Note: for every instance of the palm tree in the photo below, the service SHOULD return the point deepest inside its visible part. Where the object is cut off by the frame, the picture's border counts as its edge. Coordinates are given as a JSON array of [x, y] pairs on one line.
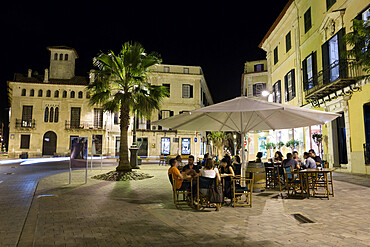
[[218, 139], [121, 85]]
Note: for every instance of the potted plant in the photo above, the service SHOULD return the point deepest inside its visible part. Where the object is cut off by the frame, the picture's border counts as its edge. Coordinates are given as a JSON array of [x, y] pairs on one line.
[[270, 146], [293, 144], [279, 145]]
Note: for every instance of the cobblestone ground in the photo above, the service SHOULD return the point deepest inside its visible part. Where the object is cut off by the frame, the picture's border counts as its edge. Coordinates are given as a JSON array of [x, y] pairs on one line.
[[141, 213]]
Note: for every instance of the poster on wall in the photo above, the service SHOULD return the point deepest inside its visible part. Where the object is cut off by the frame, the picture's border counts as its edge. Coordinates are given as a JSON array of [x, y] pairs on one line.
[[165, 145], [78, 152], [262, 146], [185, 145], [97, 144]]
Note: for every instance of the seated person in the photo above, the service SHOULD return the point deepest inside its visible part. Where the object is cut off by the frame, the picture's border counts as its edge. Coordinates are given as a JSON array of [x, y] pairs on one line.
[[316, 158], [237, 165], [278, 157], [204, 159], [179, 161], [178, 176], [309, 162], [191, 169], [209, 170], [259, 156], [227, 172], [290, 162]]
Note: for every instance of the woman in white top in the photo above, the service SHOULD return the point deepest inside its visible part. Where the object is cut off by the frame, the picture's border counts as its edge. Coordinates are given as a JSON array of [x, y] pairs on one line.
[[209, 170]]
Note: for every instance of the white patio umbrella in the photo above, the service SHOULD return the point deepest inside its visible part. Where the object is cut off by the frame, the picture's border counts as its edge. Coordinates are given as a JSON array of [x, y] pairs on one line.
[[244, 114]]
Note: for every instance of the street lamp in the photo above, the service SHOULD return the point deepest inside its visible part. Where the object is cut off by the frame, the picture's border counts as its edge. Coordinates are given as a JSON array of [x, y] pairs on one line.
[[234, 144]]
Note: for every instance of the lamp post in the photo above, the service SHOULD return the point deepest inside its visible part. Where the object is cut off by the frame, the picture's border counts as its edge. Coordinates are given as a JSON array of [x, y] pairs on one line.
[[134, 149], [234, 144]]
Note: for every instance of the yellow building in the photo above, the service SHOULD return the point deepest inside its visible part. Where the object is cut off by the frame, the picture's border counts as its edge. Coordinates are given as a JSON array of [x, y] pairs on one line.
[[308, 68], [48, 110]]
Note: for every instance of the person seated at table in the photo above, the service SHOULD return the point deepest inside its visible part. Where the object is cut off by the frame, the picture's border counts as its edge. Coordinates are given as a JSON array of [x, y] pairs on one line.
[[191, 169], [259, 157], [209, 170], [227, 172], [278, 157], [296, 158], [180, 164], [204, 159], [316, 158], [290, 162], [237, 165], [309, 162], [179, 177]]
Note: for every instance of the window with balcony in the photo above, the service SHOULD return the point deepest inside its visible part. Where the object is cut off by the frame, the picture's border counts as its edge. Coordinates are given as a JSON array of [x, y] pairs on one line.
[[116, 118], [75, 117], [276, 92], [98, 118], [27, 116], [333, 58], [25, 141], [289, 85], [187, 91], [307, 20], [309, 67]]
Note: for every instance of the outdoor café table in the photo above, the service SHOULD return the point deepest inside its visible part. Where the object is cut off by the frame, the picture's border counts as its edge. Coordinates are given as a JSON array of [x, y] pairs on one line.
[[311, 175]]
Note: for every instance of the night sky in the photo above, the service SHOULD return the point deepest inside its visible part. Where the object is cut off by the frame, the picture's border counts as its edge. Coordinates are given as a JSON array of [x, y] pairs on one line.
[[217, 36]]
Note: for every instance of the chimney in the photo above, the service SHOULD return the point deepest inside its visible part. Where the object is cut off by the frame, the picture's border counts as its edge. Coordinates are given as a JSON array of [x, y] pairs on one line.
[[46, 75], [29, 73]]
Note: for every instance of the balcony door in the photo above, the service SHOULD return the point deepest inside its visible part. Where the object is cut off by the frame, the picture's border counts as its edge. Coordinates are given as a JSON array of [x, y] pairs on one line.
[[98, 118], [334, 58], [27, 116], [75, 117]]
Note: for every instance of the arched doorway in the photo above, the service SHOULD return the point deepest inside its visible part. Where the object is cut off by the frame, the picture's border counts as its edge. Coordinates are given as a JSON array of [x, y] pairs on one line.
[[49, 143]]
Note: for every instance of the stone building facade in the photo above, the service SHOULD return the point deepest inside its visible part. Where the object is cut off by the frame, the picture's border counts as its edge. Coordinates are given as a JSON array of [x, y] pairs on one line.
[[48, 110]]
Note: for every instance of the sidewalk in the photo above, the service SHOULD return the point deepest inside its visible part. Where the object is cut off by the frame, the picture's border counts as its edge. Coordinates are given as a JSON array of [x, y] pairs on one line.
[[141, 213]]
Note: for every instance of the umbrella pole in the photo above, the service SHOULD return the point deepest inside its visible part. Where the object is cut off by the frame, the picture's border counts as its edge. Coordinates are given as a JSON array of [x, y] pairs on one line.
[[244, 163]]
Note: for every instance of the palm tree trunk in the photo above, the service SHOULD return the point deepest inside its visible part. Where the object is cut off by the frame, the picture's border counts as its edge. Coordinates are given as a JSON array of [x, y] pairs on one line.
[[124, 164]]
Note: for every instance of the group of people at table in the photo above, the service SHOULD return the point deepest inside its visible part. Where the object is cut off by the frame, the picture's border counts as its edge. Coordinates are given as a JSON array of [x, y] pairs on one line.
[[311, 160], [206, 168]]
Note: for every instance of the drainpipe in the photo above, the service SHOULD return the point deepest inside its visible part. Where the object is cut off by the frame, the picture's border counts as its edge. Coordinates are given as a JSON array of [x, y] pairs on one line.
[[298, 59]]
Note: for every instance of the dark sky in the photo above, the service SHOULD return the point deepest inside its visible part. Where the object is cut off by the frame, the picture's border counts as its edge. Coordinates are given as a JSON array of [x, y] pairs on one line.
[[218, 36]]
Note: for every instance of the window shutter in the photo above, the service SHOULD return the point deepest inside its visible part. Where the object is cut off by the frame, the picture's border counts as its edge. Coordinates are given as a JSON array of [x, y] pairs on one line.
[[293, 82], [305, 76], [325, 61], [342, 54], [191, 91], [314, 68], [279, 90], [286, 87]]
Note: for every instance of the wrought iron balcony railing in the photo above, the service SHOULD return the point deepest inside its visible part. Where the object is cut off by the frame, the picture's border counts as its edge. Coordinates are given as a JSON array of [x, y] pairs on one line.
[[337, 76], [84, 125], [21, 123]]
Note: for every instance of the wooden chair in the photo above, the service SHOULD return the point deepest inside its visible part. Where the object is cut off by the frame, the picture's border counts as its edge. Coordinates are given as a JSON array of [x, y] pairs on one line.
[[204, 184], [242, 186], [293, 181], [182, 197]]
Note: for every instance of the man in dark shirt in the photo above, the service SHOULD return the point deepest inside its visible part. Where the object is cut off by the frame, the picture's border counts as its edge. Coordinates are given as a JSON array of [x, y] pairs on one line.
[[316, 158], [190, 168], [290, 162]]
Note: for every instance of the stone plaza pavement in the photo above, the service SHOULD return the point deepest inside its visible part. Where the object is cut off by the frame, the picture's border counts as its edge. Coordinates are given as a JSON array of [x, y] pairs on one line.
[[141, 213]]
